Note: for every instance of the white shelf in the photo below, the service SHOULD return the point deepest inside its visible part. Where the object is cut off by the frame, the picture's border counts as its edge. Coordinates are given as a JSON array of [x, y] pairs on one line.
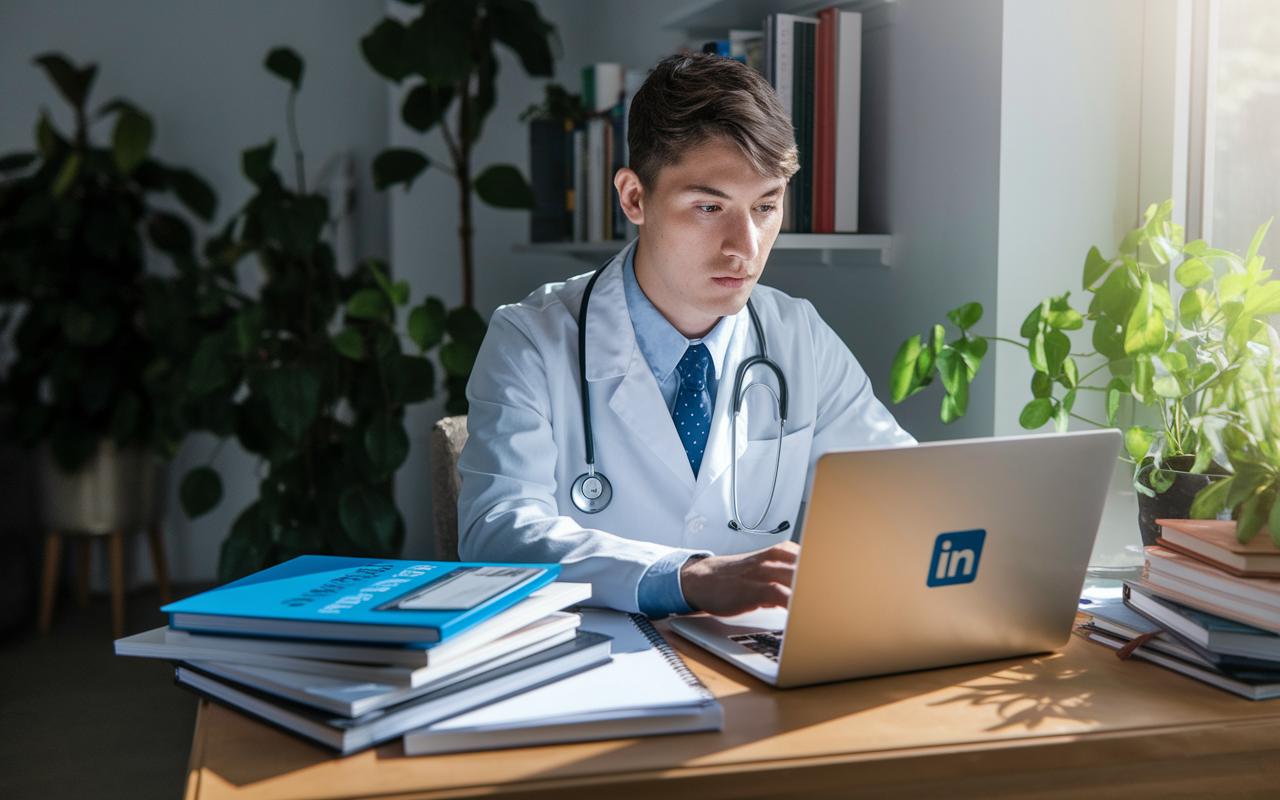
[[828, 243], [707, 15]]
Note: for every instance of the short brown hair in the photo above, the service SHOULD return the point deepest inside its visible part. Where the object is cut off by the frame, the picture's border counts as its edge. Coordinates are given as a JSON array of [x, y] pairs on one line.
[[692, 98]]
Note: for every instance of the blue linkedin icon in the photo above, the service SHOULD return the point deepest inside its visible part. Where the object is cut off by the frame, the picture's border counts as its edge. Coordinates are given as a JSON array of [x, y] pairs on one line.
[[955, 557]]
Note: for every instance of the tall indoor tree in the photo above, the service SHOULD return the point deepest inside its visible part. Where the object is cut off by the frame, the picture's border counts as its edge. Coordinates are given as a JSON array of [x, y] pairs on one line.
[[446, 58]]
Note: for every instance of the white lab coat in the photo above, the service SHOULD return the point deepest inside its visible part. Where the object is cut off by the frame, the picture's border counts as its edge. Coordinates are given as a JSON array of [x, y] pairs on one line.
[[526, 437]]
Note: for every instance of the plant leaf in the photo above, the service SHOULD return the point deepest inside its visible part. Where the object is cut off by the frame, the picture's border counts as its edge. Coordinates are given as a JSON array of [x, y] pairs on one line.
[[349, 343], [1095, 266], [368, 303], [1193, 272], [1036, 413], [1211, 500], [73, 84], [902, 375], [194, 193], [131, 139], [1041, 384], [170, 233], [398, 165], [426, 324], [67, 175], [383, 49], [966, 316], [1137, 441], [200, 491], [386, 444], [1145, 332], [425, 106], [502, 186], [256, 163], [1115, 389], [284, 62], [369, 518], [458, 358], [293, 395], [517, 24]]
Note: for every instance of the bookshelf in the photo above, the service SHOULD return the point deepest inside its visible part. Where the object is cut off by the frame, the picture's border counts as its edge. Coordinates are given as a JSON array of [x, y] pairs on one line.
[[827, 243]]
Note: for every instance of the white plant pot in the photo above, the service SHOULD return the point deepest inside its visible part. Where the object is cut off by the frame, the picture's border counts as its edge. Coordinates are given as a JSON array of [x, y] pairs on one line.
[[118, 490]]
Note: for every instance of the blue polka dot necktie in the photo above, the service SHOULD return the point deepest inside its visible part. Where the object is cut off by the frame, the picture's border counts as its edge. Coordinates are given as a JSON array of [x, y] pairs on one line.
[[692, 413]]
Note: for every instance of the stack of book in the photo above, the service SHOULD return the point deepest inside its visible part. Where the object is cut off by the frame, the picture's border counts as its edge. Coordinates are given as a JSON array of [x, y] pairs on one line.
[[572, 162], [815, 65], [1206, 606], [352, 652]]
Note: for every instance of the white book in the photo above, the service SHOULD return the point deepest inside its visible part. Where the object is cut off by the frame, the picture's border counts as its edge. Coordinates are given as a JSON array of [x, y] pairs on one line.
[[349, 735], [645, 690], [848, 119], [550, 598], [355, 698], [580, 200], [153, 644]]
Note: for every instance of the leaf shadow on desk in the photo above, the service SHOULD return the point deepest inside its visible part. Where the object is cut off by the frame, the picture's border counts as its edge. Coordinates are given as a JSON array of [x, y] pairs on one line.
[[1030, 693]]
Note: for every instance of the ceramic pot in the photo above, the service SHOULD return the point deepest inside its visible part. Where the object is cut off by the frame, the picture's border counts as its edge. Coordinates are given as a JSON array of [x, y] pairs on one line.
[[1174, 502], [118, 490]]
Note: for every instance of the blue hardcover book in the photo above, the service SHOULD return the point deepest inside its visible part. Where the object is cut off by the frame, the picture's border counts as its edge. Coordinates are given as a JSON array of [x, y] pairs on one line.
[[361, 599]]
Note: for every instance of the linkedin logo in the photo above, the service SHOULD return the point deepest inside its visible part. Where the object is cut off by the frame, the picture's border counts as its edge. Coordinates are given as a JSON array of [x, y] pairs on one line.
[[955, 557]]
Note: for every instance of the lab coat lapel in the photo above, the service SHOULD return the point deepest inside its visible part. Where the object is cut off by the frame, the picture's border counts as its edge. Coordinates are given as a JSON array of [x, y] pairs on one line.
[[636, 400], [715, 459]]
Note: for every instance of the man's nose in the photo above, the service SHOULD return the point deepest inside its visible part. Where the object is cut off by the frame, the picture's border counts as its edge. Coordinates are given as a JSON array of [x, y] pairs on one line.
[[741, 237]]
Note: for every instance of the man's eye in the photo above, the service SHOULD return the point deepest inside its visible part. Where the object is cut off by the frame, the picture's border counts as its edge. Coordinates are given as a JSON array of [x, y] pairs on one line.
[[708, 209], [765, 209]]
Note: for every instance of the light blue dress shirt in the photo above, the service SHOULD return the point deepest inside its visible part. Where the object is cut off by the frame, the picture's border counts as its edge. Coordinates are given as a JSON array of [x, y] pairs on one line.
[[659, 593]]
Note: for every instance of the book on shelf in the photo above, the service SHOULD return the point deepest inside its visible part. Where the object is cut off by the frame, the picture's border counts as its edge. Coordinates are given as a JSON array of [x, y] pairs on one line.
[[551, 170], [358, 599], [181, 646], [349, 732], [815, 66], [645, 690], [1214, 541]]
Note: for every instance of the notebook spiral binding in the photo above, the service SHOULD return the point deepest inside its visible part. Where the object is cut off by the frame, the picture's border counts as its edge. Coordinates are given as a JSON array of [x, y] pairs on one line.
[[669, 654]]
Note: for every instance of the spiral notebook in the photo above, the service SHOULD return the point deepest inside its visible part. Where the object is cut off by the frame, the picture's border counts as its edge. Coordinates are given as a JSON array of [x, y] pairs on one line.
[[645, 691]]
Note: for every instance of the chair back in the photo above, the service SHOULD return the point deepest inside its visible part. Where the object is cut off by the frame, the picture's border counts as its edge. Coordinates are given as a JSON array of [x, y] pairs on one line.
[[447, 438]]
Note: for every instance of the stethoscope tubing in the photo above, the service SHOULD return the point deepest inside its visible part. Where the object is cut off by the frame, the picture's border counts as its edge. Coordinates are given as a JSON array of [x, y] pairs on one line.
[[595, 504]]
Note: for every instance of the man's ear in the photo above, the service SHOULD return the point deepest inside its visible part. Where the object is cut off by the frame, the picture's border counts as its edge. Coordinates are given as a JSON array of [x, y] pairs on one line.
[[630, 194]]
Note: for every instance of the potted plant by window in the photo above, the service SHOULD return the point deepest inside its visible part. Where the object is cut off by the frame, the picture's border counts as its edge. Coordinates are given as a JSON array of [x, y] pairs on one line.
[[1181, 363], [72, 278], [310, 373]]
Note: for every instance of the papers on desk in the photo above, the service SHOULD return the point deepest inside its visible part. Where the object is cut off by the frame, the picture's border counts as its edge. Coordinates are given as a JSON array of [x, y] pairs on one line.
[[646, 690]]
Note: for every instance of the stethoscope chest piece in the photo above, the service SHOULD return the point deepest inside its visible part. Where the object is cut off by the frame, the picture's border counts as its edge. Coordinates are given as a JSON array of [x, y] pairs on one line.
[[591, 492]]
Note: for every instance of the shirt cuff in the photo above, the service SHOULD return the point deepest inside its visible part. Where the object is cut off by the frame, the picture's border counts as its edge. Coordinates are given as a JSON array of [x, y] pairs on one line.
[[659, 593]]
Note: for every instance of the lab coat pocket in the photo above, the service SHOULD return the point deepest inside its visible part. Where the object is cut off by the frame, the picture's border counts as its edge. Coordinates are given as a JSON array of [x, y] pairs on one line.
[[755, 477]]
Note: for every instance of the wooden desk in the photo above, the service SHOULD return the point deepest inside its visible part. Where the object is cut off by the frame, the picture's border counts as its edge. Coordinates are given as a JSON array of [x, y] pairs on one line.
[[1065, 725]]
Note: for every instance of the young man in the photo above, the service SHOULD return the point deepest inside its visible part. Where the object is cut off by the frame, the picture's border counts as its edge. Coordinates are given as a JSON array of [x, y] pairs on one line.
[[667, 327]]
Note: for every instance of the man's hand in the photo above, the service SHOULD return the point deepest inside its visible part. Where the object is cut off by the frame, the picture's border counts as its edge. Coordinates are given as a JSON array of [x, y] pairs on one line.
[[728, 585]]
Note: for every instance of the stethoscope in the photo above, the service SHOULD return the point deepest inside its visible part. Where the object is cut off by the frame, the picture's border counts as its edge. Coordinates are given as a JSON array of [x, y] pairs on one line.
[[592, 492]]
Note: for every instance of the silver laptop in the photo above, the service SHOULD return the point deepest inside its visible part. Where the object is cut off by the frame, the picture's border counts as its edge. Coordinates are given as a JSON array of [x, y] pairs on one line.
[[928, 556]]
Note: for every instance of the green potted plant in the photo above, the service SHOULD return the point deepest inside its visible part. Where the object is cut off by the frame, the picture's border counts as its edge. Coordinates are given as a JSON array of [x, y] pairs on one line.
[[1179, 362], [446, 55], [310, 374], [72, 277]]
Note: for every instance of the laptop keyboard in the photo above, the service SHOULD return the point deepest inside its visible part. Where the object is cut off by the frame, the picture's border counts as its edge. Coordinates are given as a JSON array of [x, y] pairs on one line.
[[766, 643]]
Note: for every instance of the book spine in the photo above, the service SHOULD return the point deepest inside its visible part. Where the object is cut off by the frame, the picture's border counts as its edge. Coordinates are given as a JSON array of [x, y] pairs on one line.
[[547, 173], [567, 211], [848, 121], [618, 230], [824, 122], [802, 83], [595, 179], [580, 184]]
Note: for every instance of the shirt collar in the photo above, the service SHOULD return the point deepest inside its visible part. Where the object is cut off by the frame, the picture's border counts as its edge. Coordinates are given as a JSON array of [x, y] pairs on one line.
[[662, 345]]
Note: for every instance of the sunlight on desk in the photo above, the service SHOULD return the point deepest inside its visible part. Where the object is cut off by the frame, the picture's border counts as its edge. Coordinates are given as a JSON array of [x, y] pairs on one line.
[[1081, 708]]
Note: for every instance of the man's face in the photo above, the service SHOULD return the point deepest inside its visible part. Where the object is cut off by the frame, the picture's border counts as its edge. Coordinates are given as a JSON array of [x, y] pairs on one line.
[[706, 228]]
